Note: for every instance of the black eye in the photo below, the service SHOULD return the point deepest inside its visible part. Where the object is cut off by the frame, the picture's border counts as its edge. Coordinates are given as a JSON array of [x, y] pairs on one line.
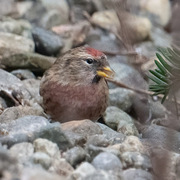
[[89, 61]]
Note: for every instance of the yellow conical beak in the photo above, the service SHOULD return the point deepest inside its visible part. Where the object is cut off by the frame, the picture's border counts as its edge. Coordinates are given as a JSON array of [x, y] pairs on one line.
[[106, 72]]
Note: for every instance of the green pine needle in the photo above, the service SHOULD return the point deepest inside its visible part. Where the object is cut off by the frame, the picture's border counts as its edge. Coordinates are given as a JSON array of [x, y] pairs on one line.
[[167, 73]]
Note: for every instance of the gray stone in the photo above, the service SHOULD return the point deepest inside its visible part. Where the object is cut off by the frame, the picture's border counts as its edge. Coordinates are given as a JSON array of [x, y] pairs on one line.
[[8, 166], [98, 140], [3, 105], [47, 147], [103, 175], [136, 160], [37, 173], [61, 167], [114, 115], [127, 75], [47, 42], [52, 18], [136, 174], [22, 151], [107, 161], [16, 59], [160, 37], [120, 121], [93, 151], [7, 7], [84, 127], [41, 158], [121, 98], [19, 27], [13, 113], [130, 144], [12, 41], [75, 138], [82, 171], [33, 87], [161, 136], [75, 155], [29, 128], [112, 136], [157, 110], [12, 85], [23, 74]]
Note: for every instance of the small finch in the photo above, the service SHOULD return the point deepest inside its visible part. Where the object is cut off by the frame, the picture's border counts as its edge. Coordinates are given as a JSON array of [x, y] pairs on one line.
[[74, 88]]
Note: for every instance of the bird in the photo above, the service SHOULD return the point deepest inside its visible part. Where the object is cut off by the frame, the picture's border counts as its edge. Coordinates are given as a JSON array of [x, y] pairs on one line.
[[75, 86]]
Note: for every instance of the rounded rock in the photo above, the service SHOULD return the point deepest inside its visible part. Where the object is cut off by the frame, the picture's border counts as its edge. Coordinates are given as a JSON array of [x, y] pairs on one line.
[[107, 161]]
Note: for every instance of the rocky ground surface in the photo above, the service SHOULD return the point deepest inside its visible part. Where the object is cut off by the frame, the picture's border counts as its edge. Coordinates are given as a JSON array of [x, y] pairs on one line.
[[138, 139]]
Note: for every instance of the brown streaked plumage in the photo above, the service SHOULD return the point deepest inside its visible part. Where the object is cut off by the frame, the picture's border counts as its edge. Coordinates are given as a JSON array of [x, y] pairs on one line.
[[74, 88]]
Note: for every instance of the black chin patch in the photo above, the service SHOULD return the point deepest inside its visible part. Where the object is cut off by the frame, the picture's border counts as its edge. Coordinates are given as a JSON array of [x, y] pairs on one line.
[[96, 79]]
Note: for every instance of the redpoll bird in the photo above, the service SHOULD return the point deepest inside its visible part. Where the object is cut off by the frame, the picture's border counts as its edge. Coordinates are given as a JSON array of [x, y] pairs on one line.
[[74, 88]]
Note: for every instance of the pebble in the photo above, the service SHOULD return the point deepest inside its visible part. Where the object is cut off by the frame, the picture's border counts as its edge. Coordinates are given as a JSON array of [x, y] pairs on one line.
[[136, 160], [107, 161], [121, 98], [23, 74], [12, 41], [75, 155], [82, 171], [136, 174], [22, 151], [61, 167], [47, 147], [41, 158], [120, 121], [83, 127], [47, 42], [112, 136]]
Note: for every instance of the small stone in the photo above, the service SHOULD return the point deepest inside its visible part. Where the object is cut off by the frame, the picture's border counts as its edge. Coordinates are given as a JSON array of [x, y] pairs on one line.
[[157, 110], [127, 75], [120, 121], [114, 115], [103, 175], [23, 74], [29, 128], [98, 140], [47, 42], [84, 127], [75, 155], [136, 160], [15, 26], [22, 151], [121, 98], [42, 158], [17, 59], [161, 136], [112, 136], [12, 85], [130, 144], [61, 167], [22, 129], [83, 170], [93, 151], [37, 173], [107, 161], [57, 13], [47, 147], [33, 87], [8, 166], [12, 41], [13, 113], [136, 174]]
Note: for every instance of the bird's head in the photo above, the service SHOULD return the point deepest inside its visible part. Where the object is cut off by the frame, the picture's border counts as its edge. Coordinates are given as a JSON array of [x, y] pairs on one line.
[[84, 64]]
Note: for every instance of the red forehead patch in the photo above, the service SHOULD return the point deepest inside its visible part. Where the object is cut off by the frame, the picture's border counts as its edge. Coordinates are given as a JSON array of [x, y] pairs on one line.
[[93, 52]]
